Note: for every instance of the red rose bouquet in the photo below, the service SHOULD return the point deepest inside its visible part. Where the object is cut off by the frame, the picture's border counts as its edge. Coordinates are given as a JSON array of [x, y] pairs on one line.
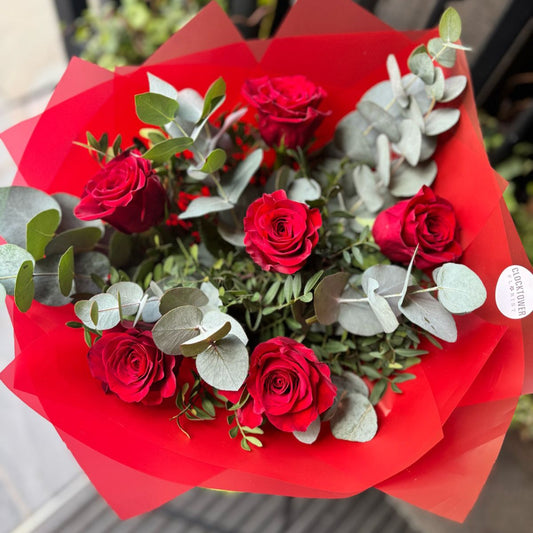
[[312, 277]]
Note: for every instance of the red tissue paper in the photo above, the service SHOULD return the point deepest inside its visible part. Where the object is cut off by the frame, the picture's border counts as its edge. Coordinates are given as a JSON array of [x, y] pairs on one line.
[[435, 452]]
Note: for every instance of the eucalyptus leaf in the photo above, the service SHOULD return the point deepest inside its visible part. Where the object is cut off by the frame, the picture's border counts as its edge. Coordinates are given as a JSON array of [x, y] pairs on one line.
[[215, 319], [310, 434], [224, 365], [396, 80], [436, 89], [356, 316], [326, 296], [24, 286], [408, 180], [47, 283], [350, 140], [348, 381], [130, 295], [69, 221], [175, 327], [428, 313], [159, 86], [355, 419], [108, 315], [450, 26], [383, 159], [11, 259], [421, 65], [415, 114], [303, 190], [441, 120], [445, 55], [65, 272], [81, 239], [368, 188], [390, 278], [179, 296], [460, 290], [18, 205], [380, 119], [163, 151], [381, 307], [410, 144], [203, 205], [231, 235], [202, 341], [155, 109], [40, 231], [453, 87], [242, 175], [87, 264], [213, 296]]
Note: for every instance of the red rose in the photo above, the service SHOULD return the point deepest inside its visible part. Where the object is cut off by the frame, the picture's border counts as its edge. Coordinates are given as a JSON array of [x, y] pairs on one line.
[[425, 220], [126, 193], [288, 384], [129, 364], [280, 233], [287, 108]]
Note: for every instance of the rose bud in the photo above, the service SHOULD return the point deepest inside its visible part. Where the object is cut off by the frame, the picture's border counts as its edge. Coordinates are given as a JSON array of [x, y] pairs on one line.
[[287, 108], [128, 363], [427, 221], [126, 193], [280, 233], [288, 384]]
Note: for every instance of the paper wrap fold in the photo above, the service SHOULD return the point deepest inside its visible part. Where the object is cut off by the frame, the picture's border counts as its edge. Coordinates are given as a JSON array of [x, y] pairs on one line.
[[437, 442]]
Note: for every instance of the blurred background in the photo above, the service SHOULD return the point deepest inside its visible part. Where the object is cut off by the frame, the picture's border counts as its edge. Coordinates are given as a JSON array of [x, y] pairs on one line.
[[41, 487]]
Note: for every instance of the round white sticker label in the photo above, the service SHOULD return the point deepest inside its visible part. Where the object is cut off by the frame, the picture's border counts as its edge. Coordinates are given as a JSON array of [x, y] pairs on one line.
[[514, 292]]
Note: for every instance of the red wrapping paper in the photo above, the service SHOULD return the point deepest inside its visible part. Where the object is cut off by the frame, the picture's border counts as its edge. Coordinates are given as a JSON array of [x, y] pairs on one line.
[[437, 442]]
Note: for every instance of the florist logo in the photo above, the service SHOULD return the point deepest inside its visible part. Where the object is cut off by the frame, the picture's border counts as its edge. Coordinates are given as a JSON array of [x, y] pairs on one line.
[[514, 292]]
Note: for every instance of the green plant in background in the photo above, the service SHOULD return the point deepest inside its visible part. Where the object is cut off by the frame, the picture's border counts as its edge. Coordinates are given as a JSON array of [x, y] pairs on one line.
[[127, 33]]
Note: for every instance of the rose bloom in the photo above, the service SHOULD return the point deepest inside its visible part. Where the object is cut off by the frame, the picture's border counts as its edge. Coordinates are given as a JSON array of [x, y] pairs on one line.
[[126, 193], [287, 108], [288, 384], [425, 220], [128, 363], [280, 233]]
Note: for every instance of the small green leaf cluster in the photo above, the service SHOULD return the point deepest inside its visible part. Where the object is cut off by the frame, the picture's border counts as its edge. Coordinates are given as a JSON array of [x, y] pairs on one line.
[[247, 434], [196, 402], [53, 259]]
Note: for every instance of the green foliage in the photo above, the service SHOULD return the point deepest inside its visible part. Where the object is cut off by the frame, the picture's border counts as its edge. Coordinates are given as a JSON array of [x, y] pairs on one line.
[[127, 33]]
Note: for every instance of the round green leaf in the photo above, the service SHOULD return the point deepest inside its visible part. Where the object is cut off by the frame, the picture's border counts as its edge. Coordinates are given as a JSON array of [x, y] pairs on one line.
[[11, 259], [460, 290], [24, 286], [18, 205], [176, 327], [65, 272], [224, 365], [155, 109], [326, 296], [130, 295], [182, 296], [107, 313], [428, 313], [40, 231], [310, 434], [202, 341], [82, 239], [355, 419], [450, 26]]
